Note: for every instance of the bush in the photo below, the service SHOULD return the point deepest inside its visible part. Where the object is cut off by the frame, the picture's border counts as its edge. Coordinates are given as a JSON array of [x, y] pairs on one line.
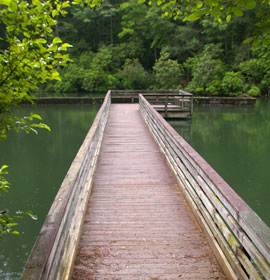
[[168, 73], [134, 76], [206, 70], [254, 91], [232, 84], [214, 88], [71, 80], [97, 80], [265, 83], [253, 70]]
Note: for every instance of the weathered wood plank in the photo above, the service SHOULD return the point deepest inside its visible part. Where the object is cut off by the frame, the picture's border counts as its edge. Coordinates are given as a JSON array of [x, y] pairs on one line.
[[137, 223], [53, 253], [210, 191], [199, 210], [173, 151]]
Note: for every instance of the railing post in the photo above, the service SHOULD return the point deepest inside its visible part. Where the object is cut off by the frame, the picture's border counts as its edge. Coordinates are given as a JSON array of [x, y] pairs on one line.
[[166, 105]]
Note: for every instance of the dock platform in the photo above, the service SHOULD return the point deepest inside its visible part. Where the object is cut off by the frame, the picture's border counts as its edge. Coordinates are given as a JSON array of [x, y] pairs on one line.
[[138, 225], [139, 203]]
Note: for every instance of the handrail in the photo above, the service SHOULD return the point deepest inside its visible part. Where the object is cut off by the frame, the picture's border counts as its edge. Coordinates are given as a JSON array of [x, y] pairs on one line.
[[164, 91], [54, 251], [240, 239]]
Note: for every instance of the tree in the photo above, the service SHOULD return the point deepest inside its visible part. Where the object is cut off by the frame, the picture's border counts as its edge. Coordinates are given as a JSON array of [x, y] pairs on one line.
[[30, 55], [134, 76], [232, 83], [220, 11], [168, 73], [207, 70]]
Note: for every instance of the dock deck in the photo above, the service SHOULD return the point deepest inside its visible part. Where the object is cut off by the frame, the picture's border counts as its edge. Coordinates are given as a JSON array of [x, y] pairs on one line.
[[138, 225]]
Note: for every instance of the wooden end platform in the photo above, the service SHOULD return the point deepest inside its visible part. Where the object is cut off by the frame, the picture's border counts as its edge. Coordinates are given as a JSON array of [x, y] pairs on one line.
[[138, 225]]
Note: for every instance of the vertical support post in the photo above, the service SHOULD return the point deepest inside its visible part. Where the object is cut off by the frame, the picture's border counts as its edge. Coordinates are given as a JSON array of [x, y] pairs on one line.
[[191, 105], [166, 105], [182, 102]]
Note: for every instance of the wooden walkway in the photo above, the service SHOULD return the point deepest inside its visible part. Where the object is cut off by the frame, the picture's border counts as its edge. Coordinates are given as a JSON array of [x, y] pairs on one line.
[[138, 225]]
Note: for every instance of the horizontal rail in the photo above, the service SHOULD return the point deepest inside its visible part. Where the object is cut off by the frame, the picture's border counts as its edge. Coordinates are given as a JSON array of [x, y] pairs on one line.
[[176, 105], [240, 239], [137, 92], [53, 254]]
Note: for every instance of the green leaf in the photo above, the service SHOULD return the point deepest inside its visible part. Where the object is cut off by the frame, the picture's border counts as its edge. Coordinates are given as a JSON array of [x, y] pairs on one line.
[[65, 46], [3, 167], [57, 40], [35, 116], [30, 214], [55, 13], [199, 4], [13, 6], [5, 2], [197, 15], [33, 217], [26, 34], [41, 125], [65, 4], [55, 76], [238, 12], [242, 3], [228, 18], [251, 4], [40, 41], [248, 40], [53, 48]]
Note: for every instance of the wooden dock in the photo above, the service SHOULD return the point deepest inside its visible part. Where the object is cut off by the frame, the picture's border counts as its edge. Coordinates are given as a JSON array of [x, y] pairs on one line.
[[139, 203], [171, 104], [138, 225]]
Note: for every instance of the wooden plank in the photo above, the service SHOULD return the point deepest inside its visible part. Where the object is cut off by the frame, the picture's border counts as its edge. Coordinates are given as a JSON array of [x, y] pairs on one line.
[[169, 142], [175, 152], [203, 216], [137, 223], [53, 253], [247, 218], [227, 195]]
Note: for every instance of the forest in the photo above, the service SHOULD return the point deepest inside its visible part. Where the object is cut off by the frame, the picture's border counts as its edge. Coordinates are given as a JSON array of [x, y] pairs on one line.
[[123, 44]]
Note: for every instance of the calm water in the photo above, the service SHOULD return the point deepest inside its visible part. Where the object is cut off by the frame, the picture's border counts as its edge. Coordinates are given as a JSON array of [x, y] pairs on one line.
[[236, 143], [37, 166]]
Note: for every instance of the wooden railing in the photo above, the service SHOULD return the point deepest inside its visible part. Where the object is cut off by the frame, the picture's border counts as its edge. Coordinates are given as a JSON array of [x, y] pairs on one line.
[[133, 95], [180, 103], [53, 254], [239, 238]]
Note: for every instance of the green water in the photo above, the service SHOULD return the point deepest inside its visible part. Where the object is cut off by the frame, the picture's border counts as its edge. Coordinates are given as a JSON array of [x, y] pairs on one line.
[[37, 166], [236, 143]]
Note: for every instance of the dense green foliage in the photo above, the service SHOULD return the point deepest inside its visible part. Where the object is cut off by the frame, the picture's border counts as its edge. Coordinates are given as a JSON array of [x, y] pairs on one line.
[[30, 54], [129, 45]]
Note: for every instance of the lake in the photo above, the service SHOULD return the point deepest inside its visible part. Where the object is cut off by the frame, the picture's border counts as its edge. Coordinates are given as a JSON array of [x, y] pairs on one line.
[[37, 166], [234, 140]]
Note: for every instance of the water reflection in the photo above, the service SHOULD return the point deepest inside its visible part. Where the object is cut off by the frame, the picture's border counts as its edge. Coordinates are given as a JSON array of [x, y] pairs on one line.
[[183, 128], [235, 141], [37, 166]]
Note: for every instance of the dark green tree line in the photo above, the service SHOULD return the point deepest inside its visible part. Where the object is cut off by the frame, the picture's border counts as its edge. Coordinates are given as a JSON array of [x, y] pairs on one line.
[[126, 44]]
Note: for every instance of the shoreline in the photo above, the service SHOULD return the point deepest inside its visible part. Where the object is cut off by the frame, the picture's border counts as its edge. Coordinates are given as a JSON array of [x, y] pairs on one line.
[[197, 100]]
